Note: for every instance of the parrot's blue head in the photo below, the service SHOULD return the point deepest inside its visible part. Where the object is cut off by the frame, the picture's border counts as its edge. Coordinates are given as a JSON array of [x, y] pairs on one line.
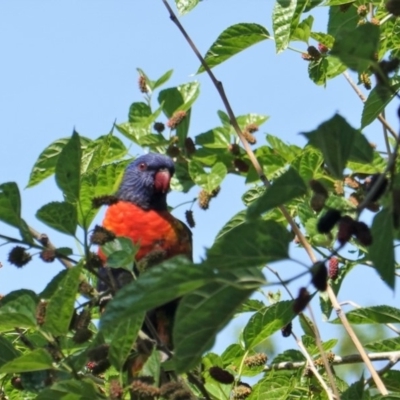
[[146, 181]]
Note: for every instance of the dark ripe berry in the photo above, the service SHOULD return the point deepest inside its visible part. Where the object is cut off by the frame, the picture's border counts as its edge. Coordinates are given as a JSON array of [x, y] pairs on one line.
[[345, 229], [371, 182], [317, 202], [204, 199], [101, 235], [16, 383], [98, 353], [142, 84], [221, 375], [241, 165], [41, 312], [176, 119], [362, 233], [333, 268], [99, 201], [318, 187], [173, 151], [322, 48], [313, 52], [257, 360], [19, 257], [301, 301], [82, 320], [319, 276], [328, 221], [94, 262], [234, 148], [393, 6], [48, 255], [189, 218], [189, 146], [287, 330], [82, 335], [249, 137], [43, 239], [159, 127], [100, 367]]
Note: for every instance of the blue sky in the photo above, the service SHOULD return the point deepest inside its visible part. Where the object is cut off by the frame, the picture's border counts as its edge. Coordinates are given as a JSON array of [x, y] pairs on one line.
[[72, 64]]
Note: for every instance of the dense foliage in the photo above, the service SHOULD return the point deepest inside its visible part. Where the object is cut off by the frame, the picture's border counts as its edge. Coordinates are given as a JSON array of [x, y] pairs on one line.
[[52, 347]]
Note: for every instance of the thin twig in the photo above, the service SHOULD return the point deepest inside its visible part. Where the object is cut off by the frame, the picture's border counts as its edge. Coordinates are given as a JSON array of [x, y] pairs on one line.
[[306, 245], [385, 135], [338, 360], [310, 364], [327, 365]]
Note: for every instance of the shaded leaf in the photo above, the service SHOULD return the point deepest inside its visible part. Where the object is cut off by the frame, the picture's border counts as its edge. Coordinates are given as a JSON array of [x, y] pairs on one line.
[[68, 168], [339, 20], [372, 315], [377, 100], [60, 307], [392, 344], [7, 351], [159, 285], [335, 139], [236, 220], [20, 312], [356, 48], [266, 322], [10, 204], [381, 252], [285, 188], [355, 391], [35, 360], [203, 313], [250, 245], [233, 40], [60, 216]]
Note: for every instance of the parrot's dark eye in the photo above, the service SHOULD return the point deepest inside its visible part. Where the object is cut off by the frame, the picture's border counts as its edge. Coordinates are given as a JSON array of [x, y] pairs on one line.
[[142, 166]]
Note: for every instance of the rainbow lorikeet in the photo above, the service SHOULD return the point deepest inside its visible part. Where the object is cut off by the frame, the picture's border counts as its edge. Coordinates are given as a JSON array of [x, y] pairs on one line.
[[141, 214]]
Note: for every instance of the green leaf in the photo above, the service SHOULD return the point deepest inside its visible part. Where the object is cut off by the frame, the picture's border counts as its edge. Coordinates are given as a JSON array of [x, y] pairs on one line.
[[184, 6], [339, 20], [251, 305], [266, 322], [381, 252], [335, 139], [285, 188], [250, 244], [35, 360], [159, 285], [317, 71], [391, 379], [203, 313], [20, 312], [7, 351], [377, 100], [10, 204], [361, 150], [282, 15], [84, 389], [121, 336], [139, 111], [323, 38], [356, 48], [162, 79], [209, 181], [68, 168], [392, 344], [217, 138], [179, 98], [120, 253], [355, 391], [45, 165], [236, 220], [61, 304], [252, 118], [276, 386], [233, 40], [372, 315], [303, 30], [60, 216], [53, 285]]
